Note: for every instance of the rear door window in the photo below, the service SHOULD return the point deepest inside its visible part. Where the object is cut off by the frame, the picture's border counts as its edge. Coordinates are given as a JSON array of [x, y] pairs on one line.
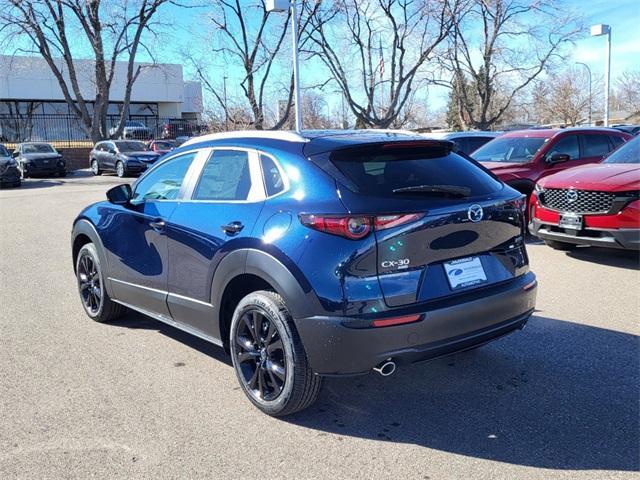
[[226, 176], [595, 145], [381, 170], [568, 146]]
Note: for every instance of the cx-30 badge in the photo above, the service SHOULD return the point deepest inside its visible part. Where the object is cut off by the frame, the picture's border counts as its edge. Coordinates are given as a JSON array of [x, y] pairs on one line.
[[571, 196], [475, 213]]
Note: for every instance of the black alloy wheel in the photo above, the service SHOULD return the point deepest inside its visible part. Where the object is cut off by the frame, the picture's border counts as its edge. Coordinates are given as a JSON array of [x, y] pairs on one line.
[[268, 356], [89, 284], [95, 299], [260, 355]]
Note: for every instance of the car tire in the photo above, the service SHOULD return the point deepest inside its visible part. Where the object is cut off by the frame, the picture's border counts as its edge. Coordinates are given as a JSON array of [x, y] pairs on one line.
[[91, 287], [95, 167], [268, 357], [120, 170], [62, 174], [17, 184], [564, 246]]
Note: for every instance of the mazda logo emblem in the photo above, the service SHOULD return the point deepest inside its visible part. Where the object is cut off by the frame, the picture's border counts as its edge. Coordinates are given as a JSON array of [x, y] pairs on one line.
[[571, 196], [475, 213]]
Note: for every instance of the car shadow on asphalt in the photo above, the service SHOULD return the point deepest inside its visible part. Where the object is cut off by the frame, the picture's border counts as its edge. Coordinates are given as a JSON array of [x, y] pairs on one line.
[[137, 320], [33, 183], [558, 395], [628, 259]]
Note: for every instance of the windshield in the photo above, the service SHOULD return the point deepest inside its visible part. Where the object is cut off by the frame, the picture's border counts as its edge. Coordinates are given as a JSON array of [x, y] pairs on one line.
[[37, 148], [164, 145], [4, 152], [420, 171], [627, 153], [509, 149], [133, 124], [131, 146]]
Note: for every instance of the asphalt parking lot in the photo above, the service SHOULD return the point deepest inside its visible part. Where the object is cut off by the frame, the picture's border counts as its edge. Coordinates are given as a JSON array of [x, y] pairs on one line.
[[136, 399]]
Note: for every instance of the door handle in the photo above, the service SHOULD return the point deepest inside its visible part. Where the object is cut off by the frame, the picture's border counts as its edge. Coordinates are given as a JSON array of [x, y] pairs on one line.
[[157, 225], [232, 228]]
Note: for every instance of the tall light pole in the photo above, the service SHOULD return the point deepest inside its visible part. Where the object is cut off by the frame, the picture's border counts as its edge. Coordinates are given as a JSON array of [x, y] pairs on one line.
[[596, 31], [226, 107], [589, 71], [283, 6]]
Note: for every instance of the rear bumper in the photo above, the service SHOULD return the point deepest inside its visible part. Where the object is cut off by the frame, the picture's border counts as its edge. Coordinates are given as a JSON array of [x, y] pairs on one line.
[[624, 238], [334, 347]]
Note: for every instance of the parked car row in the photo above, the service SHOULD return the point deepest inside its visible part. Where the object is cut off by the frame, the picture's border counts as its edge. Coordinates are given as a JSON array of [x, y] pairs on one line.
[[30, 159], [124, 157], [170, 130]]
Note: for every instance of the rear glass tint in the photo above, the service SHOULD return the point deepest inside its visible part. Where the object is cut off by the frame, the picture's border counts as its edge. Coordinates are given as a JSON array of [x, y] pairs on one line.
[[382, 169]]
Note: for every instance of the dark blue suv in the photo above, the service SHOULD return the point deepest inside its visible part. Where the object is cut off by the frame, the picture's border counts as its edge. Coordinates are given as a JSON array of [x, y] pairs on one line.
[[312, 254]]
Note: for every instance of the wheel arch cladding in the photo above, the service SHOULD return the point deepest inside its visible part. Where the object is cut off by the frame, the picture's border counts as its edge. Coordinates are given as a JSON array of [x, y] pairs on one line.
[[84, 232], [251, 270]]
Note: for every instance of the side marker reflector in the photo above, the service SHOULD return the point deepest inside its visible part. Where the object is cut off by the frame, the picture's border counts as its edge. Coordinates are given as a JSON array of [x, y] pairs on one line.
[[387, 322]]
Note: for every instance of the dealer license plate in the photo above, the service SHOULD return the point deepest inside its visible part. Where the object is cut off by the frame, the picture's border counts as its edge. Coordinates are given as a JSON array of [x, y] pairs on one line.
[[570, 220], [465, 272]]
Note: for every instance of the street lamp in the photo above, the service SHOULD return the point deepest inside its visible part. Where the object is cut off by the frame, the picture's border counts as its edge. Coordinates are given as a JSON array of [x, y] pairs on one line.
[[283, 6], [589, 71], [596, 31]]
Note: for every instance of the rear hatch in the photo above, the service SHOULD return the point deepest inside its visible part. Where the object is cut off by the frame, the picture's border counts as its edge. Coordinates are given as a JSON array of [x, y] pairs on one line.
[[442, 223]]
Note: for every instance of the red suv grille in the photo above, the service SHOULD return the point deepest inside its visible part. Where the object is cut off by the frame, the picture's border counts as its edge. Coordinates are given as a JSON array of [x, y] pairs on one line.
[[576, 201]]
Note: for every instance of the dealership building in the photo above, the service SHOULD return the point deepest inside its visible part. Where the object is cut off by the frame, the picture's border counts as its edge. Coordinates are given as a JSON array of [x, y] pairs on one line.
[[27, 83]]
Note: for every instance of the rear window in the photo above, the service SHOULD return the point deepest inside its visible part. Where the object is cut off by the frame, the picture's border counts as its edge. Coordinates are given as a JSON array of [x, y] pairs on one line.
[[4, 152], [383, 170], [628, 153], [132, 146]]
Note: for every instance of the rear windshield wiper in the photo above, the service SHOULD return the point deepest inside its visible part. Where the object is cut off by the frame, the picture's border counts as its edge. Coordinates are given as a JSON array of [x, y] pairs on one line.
[[447, 190]]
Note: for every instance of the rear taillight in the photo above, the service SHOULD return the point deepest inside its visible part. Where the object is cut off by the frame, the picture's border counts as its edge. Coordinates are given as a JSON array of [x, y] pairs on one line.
[[357, 227], [354, 228]]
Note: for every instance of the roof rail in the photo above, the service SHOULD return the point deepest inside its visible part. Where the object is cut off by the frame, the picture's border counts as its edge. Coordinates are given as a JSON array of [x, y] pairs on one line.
[[283, 135]]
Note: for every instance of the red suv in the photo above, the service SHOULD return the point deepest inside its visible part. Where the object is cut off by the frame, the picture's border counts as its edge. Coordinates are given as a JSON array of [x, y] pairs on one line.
[[523, 157], [591, 205]]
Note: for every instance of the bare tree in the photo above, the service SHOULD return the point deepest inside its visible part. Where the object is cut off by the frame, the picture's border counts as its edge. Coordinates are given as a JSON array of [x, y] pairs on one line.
[[627, 91], [374, 50], [315, 111], [250, 38], [53, 26], [562, 97], [518, 40]]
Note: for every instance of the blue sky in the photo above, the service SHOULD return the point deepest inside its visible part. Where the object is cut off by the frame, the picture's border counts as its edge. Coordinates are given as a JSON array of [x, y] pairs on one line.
[[622, 15], [185, 26], [624, 18]]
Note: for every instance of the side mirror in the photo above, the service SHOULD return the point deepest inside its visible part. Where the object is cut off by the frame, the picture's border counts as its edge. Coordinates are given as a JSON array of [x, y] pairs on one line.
[[558, 158], [120, 194], [15, 154]]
